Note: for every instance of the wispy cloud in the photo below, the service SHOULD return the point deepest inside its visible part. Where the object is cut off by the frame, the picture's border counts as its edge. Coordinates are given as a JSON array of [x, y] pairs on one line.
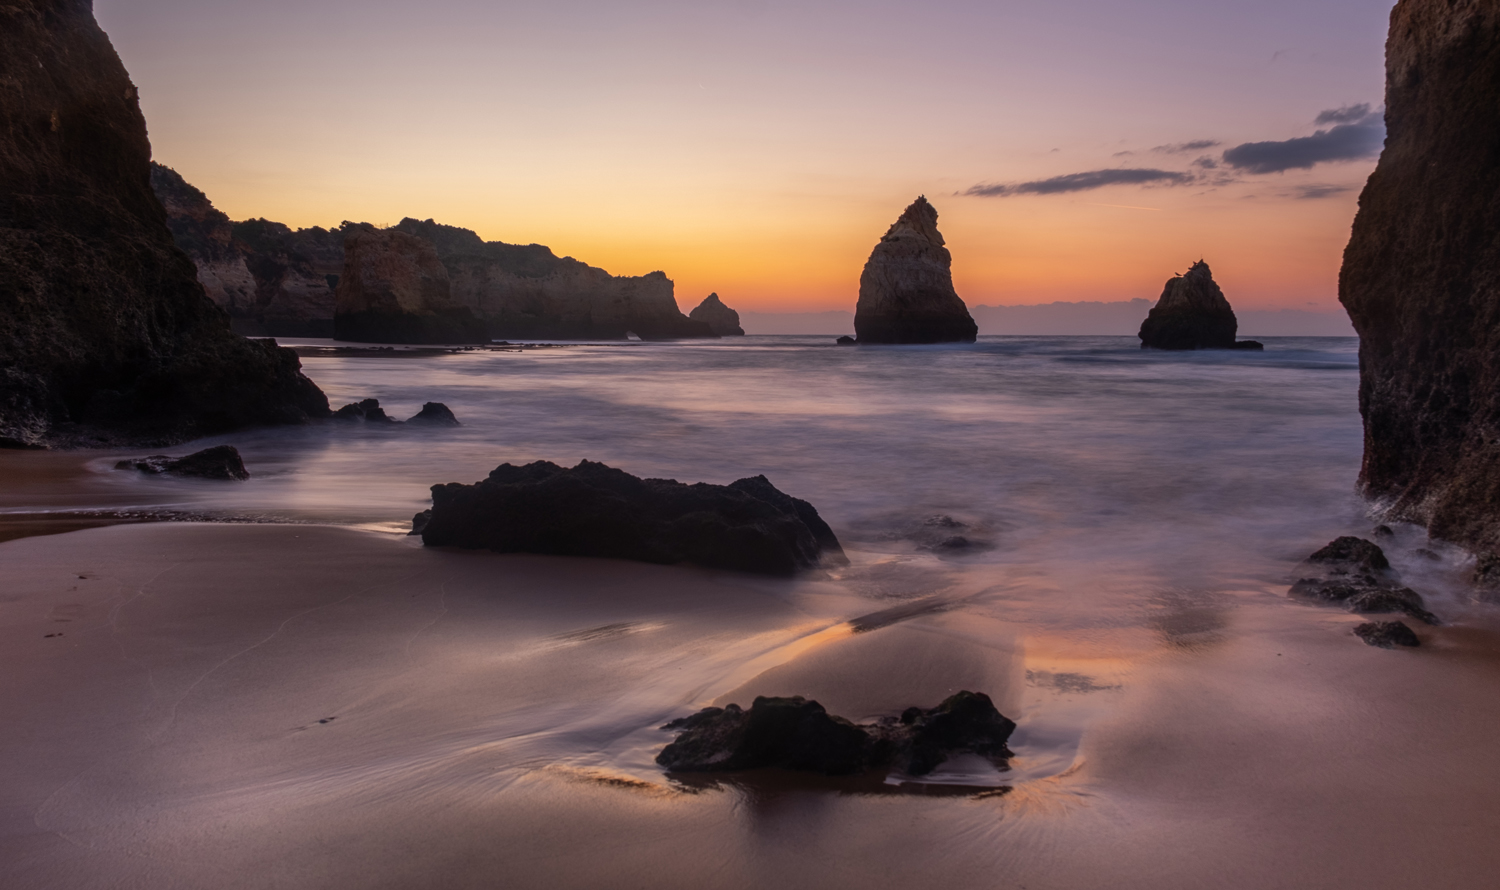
[[1182, 148], [1348, 114], [1080, 182], [1358, 133], [1313, 192]]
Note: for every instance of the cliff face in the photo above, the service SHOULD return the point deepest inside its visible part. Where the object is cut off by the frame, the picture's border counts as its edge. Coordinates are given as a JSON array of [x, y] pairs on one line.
[[906, 290], [1421, 275], [394, 289], [1191, 314], [724, 321], [527, 292], [105, 332]]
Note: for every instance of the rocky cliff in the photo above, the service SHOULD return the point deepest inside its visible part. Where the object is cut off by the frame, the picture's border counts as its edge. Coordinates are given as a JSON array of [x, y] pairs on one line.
[[105, 332], [1421, 276], [1192, 314], [906, 290], [394, 289], [720, 318]]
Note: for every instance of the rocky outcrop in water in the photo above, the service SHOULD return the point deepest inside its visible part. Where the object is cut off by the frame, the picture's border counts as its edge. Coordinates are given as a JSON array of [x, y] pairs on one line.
[[1355, 574], [218, 462], [395, 290], [595, 510], [1192, 314], [1387, 634], [1421, 276], [906, 291], [797, 734], [105, 333], [720, 318], [369, 411]]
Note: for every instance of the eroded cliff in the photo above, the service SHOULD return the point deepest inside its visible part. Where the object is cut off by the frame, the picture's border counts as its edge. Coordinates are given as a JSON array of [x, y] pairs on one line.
[[906, 291], [394, 289], [724, 321]]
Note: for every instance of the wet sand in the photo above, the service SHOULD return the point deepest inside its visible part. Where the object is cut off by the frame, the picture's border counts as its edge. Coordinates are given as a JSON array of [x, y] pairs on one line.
[[250, 706]]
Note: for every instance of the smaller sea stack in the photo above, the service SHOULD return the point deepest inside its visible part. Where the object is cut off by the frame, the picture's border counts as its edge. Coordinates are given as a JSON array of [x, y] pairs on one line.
[[395, 290], [724, 321], [906, 291], [1192, 314]]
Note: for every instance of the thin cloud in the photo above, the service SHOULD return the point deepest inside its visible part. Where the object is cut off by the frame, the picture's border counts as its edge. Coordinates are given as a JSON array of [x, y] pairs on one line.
[[1080, 182], [1182, 148], [1359, 136], [1314, 192]]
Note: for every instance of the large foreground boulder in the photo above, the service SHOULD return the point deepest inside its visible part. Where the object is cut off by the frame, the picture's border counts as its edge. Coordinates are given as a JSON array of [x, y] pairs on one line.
[[906, 291], [1421, 276], [724, 321], [105, 333], [218, 462], [1192, 313], [595, 510], [395, 290]]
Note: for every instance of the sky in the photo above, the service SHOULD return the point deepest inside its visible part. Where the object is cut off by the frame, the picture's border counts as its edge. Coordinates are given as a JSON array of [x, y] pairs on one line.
[[1074, 149]]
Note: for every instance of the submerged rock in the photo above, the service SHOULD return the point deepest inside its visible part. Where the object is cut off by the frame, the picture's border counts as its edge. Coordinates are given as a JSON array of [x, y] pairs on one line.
[[218, 462], [595, 510], [906, 291], [367, 410], [1355, 573], [394, 289], [1192, 313], [1419, 276], [797, 734], [434, 414], [1387, 634], [846, 340], [724, 321]]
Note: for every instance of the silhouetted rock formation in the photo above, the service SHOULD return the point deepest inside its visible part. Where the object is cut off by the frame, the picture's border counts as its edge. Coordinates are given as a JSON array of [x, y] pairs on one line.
[[906, 290], [594, 510], [105, 332], [395, 290], [367, 410], [218, 462], [434, 414], [1354, 573], [1421, 276], [1192, 314], [724, 321], [1387, 634], [797, 734]]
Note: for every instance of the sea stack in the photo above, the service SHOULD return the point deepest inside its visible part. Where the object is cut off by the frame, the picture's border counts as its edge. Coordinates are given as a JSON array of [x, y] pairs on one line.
[[1421, 277], [106, 335], [906, 290], [395, 290], [1192, 314], [720, 318]]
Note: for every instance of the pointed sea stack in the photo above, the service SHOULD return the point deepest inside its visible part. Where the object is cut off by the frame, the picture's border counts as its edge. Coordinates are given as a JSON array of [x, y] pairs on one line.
[[724, 321], [395, 290], [1192, 314], [906, 291], [1421, 277]]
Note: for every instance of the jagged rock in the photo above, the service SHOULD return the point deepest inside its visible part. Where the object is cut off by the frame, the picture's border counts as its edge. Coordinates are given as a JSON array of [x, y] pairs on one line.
[[1355, 573], [1387, 634], [367, 410], [1421, 276], [797, 734], [105, 333], [846, 340], [594, 510], [906, 290], [1347, 554], [434, 414], [1192, 313], [724, 321], [218, 462], [395, 290]]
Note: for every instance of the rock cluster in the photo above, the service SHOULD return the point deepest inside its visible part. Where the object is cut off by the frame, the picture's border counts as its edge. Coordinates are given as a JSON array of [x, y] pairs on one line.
[[395, 290], [595, 510], [1192, 313], [1387, 634], [105, 333], [906, 291], [797, 734], [218, 462], [1421, 276], [1355, 573], [720, 318], [369, 411]]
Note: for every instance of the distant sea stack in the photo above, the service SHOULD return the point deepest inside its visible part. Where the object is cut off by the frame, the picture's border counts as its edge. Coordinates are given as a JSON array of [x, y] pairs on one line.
[[105, 333], [724, 321], [1192, 314], [906, 291], [395, 290], [1421, 276]]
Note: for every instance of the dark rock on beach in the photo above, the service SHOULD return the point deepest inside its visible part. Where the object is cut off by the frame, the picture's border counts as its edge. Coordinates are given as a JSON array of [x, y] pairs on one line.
[[1421, 276], [1355, 573], [595, 510], [1192, 313], [106, 335], [1387, 634], [218, 462], [797, 734], [724, 321], [906, 291]]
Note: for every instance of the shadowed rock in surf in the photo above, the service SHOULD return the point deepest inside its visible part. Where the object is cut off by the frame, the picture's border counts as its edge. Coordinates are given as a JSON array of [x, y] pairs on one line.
[[1387, 634], [1192, 314], [720, 318], [218, 462], [395, 290], [1355, 573], [797, 734], [906, 291], [595, 510], [369, 411]]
